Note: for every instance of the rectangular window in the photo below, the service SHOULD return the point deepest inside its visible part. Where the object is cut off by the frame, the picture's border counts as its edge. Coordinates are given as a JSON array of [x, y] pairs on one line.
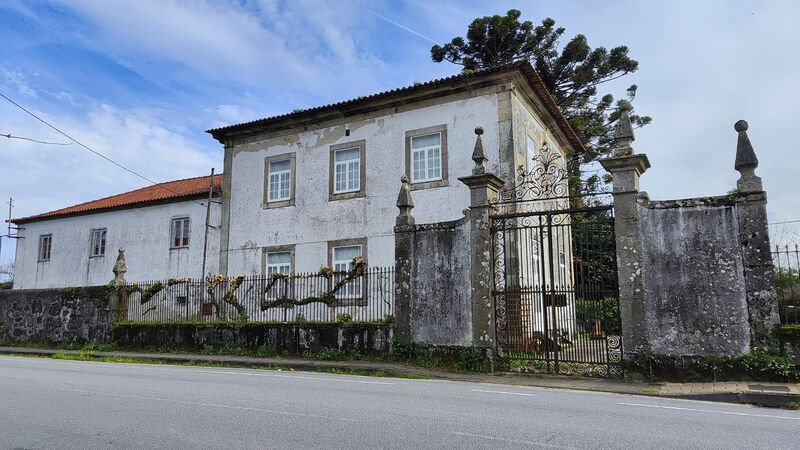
[[562, 266], [280, 181], [279, 262], [45, 243], [98, 242], [426, 158], [347, 171], [342, 259], [180, 232]]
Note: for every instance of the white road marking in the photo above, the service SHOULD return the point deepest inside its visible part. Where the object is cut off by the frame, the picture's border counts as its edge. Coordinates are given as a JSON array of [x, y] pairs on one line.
[[711, 411], [510, 441], [504, 392], [213, 405]]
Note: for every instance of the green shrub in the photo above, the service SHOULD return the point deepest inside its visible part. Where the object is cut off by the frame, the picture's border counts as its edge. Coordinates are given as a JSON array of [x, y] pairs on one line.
[[300, 318], [471, 360], [759, 366], [331, 354], [606, 311], [344, 318]]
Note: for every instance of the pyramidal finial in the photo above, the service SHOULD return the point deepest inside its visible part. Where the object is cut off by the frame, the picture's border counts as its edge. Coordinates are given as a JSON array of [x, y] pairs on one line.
[[405, 203], [746, 160], [623, 133], [478, 155]]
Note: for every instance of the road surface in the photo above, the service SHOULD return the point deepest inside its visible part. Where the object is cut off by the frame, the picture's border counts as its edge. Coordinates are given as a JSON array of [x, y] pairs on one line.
[[48, 403]]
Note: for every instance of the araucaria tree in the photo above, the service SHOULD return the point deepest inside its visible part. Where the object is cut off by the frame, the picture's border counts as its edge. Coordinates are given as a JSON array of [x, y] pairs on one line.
[[572, 74]]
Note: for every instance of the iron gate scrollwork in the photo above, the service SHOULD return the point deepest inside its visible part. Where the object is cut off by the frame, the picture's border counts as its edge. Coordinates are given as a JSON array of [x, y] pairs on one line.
[[555, 292]]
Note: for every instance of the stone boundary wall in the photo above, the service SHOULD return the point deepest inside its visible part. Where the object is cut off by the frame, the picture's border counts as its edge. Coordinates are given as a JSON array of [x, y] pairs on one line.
[[695, 300], [435, 302], [68, 315], [292, 339]]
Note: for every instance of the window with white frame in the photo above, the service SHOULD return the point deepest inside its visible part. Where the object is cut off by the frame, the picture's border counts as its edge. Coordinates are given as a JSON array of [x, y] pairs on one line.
[[98, 247], [280, 181], [535, 255], [181, 228], [45, 244], [426, 158], [347, 170], [342, 259], [562, 267], [279, 262]]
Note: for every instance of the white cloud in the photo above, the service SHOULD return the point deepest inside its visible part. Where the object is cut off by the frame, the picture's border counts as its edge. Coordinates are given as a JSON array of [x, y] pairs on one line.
[[305, 44], [17, 79]]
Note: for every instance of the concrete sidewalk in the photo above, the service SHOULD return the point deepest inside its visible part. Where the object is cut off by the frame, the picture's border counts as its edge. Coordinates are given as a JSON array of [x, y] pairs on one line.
[[780, 395]]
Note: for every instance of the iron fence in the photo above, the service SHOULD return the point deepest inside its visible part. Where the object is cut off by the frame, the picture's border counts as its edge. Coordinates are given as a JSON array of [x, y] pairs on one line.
[[294, 298], [786, 261]]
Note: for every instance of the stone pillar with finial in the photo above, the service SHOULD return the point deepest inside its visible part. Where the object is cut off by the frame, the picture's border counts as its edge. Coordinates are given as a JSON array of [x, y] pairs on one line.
[[120, 294], [483, 187], [751, 209], [403, 254], [625, 167]]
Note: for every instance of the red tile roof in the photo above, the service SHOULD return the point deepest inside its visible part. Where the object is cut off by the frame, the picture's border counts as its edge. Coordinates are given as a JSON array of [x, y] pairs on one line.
[[168, 191]]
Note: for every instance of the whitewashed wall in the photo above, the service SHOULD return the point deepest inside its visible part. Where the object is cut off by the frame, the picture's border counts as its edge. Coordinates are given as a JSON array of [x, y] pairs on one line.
[[143, 232], [314, 220]]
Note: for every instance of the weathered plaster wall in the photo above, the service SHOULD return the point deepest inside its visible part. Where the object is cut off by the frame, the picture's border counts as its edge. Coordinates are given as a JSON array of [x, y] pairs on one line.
[[439, 305], [143, 232], [285, 338], [314, 219], [694, 288], [74, 315]]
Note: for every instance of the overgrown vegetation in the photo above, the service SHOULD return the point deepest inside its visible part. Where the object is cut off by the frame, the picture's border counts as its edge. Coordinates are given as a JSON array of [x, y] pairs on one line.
[[757, 366]]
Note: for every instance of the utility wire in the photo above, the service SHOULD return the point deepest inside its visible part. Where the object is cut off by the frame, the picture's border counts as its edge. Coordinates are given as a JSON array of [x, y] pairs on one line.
[[11, 136], [784, 222], [94, 151]]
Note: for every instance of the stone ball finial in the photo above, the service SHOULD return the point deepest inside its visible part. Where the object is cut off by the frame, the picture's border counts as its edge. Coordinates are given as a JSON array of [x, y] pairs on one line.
[[625, 105], [741, 125], [479, 130]]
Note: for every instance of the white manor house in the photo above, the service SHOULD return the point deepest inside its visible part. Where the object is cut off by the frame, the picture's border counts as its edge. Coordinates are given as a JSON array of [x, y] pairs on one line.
[[309, 188]]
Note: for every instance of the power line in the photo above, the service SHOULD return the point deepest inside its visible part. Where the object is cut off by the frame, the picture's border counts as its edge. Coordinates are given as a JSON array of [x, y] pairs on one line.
[[94, 151], [11, 136]]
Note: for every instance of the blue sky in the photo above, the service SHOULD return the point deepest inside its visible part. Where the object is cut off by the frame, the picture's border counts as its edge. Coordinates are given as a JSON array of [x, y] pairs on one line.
[[141, 80]]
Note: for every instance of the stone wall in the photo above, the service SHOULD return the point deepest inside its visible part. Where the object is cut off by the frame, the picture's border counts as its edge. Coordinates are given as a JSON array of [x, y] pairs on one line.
[[72, 315], [695, 300], [436, 303], [284, 338]]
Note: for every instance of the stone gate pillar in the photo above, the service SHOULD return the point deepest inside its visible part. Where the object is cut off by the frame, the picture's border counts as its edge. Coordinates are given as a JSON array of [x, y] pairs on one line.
[[751, 210], [483, 187], [626, 167], [403, 253]]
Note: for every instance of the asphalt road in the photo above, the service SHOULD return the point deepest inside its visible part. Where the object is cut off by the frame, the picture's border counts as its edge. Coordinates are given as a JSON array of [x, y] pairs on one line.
[[72, 404]]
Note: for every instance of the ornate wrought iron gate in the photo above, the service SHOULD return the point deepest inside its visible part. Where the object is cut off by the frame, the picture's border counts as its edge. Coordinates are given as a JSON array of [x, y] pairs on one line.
[[555, 292]]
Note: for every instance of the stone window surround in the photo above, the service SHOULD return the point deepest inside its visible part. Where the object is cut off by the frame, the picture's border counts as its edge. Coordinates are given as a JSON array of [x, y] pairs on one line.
[[362, 162], [292, 182], [276, 249], [172, 231], [91, 243], [49, 249], [363, 301], [279, 249], [421, 132]]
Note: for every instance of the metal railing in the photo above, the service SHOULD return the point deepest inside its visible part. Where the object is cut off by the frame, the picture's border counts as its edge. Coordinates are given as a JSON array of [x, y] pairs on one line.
[[294, 298], [786, 261]]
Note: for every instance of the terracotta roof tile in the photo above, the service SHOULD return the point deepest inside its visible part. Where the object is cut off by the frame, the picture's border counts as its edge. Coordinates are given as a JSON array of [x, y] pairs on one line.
[[170, 190]]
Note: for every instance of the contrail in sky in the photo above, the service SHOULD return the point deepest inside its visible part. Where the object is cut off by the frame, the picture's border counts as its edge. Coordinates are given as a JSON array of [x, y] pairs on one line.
[[402, 26]]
